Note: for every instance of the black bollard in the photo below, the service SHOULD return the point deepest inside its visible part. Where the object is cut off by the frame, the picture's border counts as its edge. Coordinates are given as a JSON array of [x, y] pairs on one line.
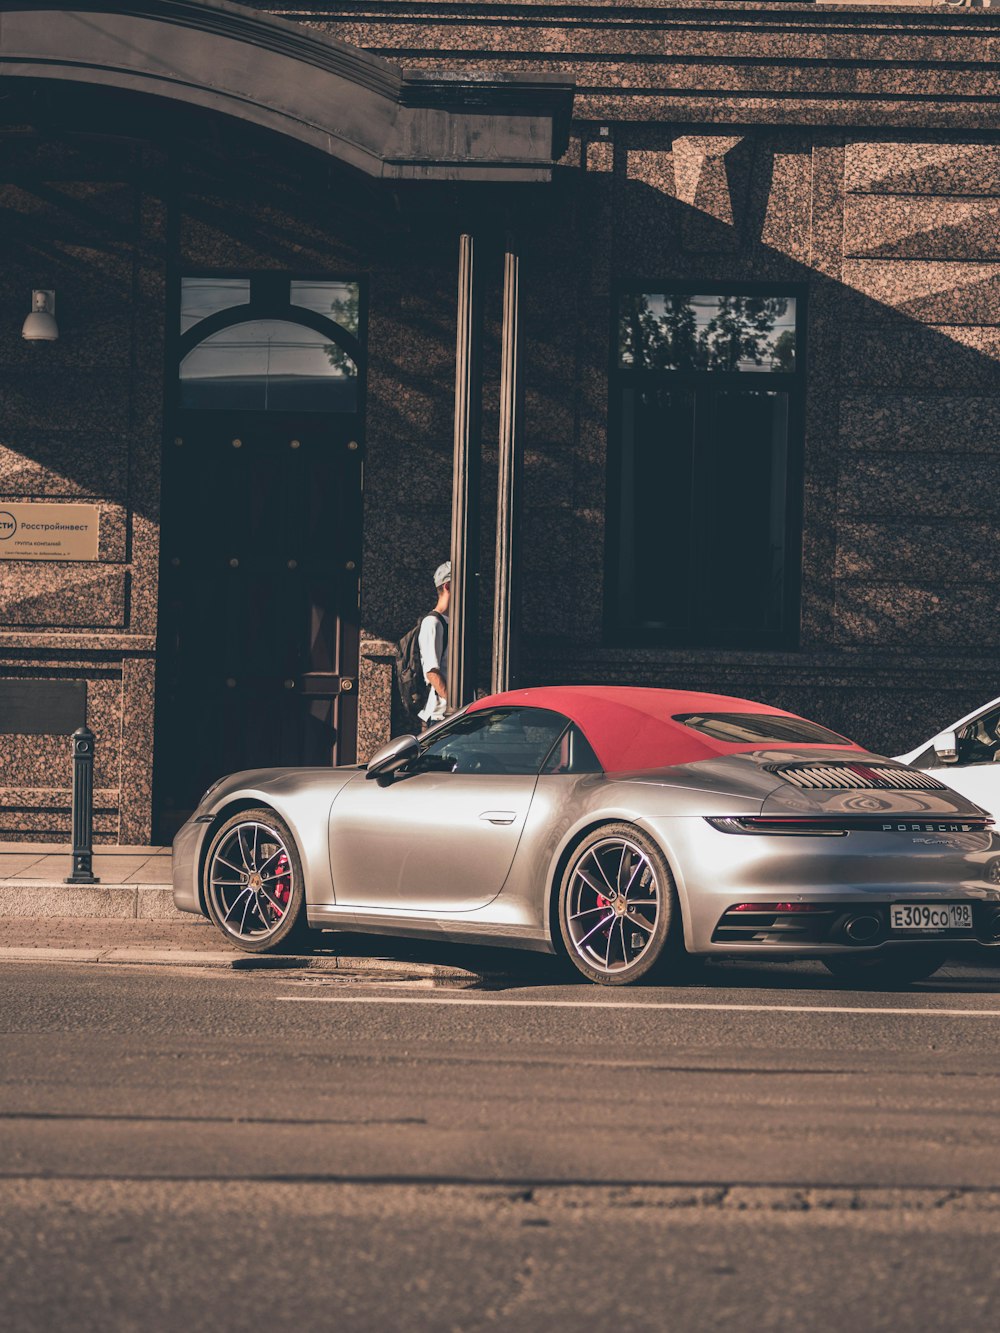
[[83, 808]]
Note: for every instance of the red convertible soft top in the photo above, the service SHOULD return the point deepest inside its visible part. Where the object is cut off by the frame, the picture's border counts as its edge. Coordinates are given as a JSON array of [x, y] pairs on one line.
[[632, 728]]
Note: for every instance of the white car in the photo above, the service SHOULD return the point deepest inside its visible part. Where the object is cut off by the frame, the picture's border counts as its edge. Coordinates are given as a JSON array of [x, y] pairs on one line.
[[966, 756]]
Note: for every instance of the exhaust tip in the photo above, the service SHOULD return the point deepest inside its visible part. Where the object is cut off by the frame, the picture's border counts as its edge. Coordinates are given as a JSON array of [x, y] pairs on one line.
[[862, 929], [991, 925]]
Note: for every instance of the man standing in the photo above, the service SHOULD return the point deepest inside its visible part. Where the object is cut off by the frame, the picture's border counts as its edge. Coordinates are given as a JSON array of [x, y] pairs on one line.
[[434, 648]]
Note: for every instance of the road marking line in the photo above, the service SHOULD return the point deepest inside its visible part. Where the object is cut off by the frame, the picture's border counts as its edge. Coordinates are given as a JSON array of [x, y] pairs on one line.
[[489, 1002]]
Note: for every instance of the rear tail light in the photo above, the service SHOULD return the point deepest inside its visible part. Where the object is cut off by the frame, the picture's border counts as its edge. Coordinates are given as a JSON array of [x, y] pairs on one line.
[[803, 828], [778, 907], [839, 828]]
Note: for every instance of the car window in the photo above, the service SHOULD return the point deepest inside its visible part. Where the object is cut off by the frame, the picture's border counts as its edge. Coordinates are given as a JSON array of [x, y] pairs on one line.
[[767, 728], [497, 740], [979, 741], [572, 753]]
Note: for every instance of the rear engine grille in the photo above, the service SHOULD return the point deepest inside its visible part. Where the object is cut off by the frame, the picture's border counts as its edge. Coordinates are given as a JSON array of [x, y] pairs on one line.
[[856, 777], [773, 923]]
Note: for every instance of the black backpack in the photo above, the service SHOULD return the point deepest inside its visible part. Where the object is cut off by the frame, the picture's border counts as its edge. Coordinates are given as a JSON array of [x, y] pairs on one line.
[[408, 671]]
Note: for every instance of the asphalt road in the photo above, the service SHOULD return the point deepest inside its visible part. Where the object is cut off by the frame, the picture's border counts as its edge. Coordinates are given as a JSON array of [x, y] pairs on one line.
[[186, 1149]]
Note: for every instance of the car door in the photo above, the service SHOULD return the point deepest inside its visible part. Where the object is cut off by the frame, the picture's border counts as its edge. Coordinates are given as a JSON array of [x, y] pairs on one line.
[[440, 836]]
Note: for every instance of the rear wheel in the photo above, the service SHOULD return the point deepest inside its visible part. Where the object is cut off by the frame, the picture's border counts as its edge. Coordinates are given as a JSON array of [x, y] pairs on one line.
[[897, 967], [254, 886], [618, 907]]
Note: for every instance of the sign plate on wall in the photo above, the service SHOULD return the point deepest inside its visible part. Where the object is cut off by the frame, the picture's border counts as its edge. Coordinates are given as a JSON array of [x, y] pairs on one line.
[[31, 531]]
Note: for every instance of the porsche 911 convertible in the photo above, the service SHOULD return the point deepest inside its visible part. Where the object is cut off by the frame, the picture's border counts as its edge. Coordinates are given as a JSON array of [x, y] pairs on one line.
[[626, 828]]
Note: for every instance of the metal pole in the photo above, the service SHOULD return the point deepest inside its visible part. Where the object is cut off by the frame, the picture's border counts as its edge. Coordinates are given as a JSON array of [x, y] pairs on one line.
[[505, 604], [83, 808], [463, 615]]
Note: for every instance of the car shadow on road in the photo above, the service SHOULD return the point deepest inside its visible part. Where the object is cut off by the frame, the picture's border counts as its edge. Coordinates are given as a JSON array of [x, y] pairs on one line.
[[957, 976], [509, 969]]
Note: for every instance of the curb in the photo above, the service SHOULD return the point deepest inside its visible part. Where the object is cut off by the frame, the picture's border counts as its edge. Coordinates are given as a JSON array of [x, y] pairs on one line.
[[388, 968], [112, 902]]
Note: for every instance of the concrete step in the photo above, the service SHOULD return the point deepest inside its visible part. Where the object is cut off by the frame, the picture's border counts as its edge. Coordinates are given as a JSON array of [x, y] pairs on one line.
[[134, 883], [52, 898]]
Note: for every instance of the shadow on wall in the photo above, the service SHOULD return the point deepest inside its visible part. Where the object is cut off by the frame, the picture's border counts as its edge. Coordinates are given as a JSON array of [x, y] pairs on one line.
[[901, 268], [84, 211], [894, 240]]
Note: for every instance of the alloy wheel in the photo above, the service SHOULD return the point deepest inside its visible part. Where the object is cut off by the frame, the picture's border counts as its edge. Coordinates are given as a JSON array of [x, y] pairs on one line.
[[613, 905], [250, 882]]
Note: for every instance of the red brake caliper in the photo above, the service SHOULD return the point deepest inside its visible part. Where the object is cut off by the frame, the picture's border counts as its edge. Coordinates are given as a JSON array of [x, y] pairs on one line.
[[602, 903], [282, 885]]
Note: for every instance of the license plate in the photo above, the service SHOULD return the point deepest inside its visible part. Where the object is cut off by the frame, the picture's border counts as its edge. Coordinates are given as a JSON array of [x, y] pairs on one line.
[[930, 916]]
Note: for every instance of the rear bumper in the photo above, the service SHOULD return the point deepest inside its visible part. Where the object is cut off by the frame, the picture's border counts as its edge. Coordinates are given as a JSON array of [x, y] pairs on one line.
[[861, 873], [841, 925]]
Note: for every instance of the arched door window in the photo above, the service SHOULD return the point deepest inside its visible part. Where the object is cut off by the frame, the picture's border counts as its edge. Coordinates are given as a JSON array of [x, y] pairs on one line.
[[266, 344]]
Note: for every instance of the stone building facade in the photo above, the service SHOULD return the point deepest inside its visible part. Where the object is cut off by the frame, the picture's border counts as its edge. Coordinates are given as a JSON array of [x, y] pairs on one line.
[[758, 277]]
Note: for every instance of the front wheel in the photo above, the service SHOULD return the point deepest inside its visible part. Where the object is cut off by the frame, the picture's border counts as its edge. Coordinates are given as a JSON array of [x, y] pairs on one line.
[[893, 968], [618, 906], [254, 886]]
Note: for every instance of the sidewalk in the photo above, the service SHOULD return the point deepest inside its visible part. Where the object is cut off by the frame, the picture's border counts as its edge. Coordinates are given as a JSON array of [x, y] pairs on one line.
[[130, 918], [135, 883], [194, 942]]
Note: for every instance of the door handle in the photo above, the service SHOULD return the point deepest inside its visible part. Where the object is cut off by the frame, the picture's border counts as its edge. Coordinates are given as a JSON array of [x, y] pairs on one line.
[[499, 816]]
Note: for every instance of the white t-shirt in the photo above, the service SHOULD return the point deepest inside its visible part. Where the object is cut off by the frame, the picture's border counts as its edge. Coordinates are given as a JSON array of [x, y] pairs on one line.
[[433, 658]]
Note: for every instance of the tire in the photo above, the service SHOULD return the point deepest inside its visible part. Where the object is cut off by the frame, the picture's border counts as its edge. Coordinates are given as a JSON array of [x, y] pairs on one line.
[[253, 884], [897, 967], [618, 945]]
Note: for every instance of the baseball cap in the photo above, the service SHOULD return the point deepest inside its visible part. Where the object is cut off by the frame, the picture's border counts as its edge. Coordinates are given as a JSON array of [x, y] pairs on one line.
[[442, 574]]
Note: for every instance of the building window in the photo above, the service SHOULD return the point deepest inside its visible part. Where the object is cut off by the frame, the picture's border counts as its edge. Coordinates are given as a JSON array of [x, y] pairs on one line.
[[703, 496], [267, 344]]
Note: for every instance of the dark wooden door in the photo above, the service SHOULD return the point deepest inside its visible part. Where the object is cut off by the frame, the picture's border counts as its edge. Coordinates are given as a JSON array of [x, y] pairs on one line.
[[259, 578]]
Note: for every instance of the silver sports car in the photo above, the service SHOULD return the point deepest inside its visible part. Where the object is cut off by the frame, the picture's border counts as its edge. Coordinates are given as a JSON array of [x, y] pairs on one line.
[[627, 828]]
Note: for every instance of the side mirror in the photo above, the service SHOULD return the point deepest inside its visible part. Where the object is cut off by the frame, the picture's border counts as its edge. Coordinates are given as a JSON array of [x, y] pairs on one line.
[[394, 754], [946, 747]]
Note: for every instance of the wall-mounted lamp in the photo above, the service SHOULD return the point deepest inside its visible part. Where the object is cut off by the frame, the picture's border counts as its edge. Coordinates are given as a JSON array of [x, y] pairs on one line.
[[41, 326]]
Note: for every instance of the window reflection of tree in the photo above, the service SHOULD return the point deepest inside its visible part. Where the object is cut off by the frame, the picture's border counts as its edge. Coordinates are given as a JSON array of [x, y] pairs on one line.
[[739, 334], [344, 310]]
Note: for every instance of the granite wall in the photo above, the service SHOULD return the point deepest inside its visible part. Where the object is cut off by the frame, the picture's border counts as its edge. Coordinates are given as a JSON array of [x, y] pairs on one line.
[[851, 150], [851, 154], [111, 228], [900, 563], [81, 422], [700, 62]]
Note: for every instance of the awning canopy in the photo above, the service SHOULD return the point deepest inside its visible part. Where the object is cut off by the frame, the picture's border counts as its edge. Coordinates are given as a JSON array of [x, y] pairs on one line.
[[366, 111]]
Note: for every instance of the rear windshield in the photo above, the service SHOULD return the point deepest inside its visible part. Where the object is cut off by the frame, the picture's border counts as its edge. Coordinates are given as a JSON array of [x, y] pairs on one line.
[[767, 728]]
